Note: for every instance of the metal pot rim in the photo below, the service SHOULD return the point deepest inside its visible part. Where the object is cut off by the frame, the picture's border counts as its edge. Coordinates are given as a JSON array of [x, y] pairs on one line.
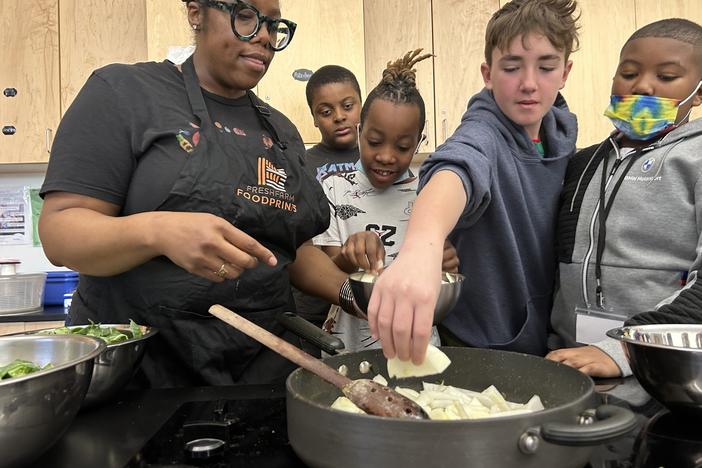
[[101, 346], [147, 331], [620, 334]]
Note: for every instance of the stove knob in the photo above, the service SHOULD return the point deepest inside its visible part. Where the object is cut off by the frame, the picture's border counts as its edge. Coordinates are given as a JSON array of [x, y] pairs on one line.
[[202, 449]]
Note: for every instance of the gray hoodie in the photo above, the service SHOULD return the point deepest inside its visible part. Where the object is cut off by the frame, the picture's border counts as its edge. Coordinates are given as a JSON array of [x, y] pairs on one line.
[[652, 237], [506, 235]]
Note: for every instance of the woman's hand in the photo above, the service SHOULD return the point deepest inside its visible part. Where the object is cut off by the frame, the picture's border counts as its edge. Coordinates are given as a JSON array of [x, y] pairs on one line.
[[589, 360], [363, 250], [207, 245], [450, 261]]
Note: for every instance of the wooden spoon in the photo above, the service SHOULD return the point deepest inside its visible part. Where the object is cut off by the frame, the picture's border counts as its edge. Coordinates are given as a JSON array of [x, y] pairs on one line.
[[370, 396]]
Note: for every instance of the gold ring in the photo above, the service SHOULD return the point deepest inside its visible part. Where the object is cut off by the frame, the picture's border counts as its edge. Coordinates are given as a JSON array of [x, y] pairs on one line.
[[222, 272]]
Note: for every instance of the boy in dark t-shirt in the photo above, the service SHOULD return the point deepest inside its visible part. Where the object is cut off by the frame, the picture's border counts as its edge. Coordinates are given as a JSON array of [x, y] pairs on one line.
[[334, 97]]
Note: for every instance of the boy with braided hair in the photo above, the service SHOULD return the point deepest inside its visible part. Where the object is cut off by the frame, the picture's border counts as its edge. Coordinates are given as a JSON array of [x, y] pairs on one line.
[[371, 206], [493, 188]]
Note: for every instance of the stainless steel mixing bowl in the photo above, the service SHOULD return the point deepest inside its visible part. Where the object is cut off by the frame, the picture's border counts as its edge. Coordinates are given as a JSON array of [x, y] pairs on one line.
[[37, 408], [116, 366], [448, 294], [667, 361]]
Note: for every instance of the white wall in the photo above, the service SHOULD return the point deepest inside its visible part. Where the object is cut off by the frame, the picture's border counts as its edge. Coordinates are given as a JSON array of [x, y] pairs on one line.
[[32, 258]]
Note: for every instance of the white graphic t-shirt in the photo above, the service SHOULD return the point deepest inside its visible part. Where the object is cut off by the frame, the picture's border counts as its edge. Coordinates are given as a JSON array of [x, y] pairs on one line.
[[358, 206]]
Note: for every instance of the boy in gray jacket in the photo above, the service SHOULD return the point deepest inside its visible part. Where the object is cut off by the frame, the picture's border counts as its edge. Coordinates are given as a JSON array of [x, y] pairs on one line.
[[630, 224]]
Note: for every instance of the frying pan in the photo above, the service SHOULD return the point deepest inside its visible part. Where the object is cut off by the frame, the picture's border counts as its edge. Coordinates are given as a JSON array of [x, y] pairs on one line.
[[561, 436]]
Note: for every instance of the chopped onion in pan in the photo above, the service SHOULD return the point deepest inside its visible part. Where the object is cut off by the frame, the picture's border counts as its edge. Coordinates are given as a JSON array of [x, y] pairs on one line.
[[444, 402]]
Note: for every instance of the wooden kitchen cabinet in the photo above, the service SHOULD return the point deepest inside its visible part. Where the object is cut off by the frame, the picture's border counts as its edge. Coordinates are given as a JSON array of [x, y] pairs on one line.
[[166, 26], [29, 35], [95, 33], [328, 32], [605, 26], [393, 28], [459, 44], [50, 47]]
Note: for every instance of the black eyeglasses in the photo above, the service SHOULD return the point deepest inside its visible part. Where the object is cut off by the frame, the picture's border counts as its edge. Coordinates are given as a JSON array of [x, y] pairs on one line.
[[247, 21]]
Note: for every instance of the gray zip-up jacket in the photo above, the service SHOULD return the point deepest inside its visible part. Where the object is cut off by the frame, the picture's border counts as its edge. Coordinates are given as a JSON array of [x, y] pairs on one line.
[[505, 237], [652, 246]]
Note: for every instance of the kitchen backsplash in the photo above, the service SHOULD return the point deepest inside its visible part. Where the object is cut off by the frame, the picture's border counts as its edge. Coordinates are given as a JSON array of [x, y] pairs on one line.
[[32, 258]]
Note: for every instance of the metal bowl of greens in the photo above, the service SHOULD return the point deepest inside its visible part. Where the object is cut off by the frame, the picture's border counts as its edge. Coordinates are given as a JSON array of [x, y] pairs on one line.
[[43, 381], [116, 366]]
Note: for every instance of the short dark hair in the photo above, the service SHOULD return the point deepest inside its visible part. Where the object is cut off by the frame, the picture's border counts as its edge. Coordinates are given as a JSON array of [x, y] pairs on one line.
[[555, 19], [399, 85], [330, 74], [674, 28], [680, 29]]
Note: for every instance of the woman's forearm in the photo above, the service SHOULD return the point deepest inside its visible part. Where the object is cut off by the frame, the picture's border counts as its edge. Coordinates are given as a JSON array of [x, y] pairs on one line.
[[96, 244]]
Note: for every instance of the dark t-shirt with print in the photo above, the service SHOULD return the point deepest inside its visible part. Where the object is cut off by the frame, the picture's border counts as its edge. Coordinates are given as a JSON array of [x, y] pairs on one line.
[[322, 162], [129, 131]]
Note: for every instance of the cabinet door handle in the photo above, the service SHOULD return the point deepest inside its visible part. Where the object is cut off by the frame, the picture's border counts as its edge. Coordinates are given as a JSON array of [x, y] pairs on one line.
[[47, 140], [443, 130]]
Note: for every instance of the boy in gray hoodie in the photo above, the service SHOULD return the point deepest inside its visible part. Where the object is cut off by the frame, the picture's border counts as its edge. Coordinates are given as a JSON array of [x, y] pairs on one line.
[[630, 224], [494, 186]]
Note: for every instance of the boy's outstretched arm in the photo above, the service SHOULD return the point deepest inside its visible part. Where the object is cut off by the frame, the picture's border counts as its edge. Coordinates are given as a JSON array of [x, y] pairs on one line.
[[401, 308]]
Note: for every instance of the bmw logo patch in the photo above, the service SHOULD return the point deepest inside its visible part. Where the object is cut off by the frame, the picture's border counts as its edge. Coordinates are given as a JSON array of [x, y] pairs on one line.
[[648, 164]]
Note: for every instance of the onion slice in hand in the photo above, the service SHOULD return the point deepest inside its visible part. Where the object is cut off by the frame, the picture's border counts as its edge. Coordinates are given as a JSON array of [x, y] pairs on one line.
[[435, 362]]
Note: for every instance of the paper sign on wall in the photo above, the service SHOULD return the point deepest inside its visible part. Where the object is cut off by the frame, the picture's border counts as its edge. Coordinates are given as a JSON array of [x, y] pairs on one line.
[[15, 216]]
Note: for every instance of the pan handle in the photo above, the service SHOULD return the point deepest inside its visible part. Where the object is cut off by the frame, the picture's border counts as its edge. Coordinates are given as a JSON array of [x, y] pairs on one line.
[[610, 423], [310, 332]]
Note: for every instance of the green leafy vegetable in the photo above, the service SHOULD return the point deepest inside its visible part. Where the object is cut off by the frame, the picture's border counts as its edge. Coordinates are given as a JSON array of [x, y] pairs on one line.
[[109, 335], [20, 367]]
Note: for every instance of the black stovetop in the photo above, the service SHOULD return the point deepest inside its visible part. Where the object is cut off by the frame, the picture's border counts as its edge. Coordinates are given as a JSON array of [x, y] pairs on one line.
[[157, 428], [222, 433]]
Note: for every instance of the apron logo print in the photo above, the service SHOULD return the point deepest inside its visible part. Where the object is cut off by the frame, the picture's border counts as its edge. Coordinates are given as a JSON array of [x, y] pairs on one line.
[[270, 188], [271, 176]]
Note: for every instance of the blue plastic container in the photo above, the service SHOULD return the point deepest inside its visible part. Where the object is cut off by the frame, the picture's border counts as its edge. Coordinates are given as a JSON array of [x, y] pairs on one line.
[[59, 283]]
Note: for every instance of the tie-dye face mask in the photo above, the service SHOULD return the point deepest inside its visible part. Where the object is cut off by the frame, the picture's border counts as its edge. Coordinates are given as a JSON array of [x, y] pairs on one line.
[[641, 117]]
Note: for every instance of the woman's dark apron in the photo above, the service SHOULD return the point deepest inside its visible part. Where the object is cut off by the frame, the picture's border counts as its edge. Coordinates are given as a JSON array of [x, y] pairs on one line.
[[263, 191]]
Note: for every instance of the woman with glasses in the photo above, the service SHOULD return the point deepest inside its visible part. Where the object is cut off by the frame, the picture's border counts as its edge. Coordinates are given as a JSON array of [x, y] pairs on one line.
[[172, 188]]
